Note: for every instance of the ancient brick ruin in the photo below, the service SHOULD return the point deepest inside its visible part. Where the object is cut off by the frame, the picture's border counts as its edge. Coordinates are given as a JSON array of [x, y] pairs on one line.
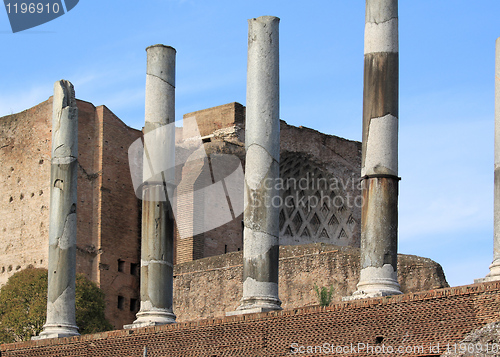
[[108, 246], [129, 246]]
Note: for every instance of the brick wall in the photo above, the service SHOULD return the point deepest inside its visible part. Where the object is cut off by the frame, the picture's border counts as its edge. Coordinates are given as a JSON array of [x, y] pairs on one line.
[[421, 320], [25, 140], [306, 154], [212, 286], [212, 119], [190, 210], [108, 213], [119, 226]]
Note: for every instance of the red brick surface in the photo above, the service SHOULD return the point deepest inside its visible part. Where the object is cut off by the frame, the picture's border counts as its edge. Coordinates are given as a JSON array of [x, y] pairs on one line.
[[303, 151], [108, 213], [212, 119], [422, 319]]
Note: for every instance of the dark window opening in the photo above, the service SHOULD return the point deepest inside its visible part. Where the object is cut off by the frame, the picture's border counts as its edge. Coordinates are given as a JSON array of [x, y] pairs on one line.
[[134, 268], [120, 302], [225, 248], [133, 305], [121, 265]]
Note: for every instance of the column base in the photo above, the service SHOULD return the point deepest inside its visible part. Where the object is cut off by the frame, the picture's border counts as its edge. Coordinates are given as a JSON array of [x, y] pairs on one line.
[[360, 294], [493, 275], [376, 282], [255, 305], [486, 279], [152, 318], [57, 331]]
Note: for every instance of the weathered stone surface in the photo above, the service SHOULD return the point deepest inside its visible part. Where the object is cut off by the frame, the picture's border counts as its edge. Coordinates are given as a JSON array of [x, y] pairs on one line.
[[157, 237], [160, 86], [380, 114], [380, 11], [211, 287], [381, 29], [159, 138], [262, 134], [380, 93], [382, 147], [379, 166], [61, 319], [483, 342], [262, 126], [495, 269], [494, 273]]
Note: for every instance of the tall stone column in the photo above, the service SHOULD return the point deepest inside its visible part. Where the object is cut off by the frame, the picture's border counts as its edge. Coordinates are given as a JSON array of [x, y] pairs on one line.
[[157, 244], [262, 143], [494, 273], [61, 320], [379, 167]]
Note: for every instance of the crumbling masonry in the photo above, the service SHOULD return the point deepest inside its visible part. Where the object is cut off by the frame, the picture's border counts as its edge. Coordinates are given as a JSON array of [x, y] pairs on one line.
[[270, 149]]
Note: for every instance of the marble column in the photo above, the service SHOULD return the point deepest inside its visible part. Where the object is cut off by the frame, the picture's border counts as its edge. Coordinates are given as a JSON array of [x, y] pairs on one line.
[[379, 167], [157, 244], [61, 320], [262, 143], [494, 273]]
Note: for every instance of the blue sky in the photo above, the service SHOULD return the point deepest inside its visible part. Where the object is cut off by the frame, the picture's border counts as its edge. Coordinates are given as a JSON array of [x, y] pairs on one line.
[[446, 90]]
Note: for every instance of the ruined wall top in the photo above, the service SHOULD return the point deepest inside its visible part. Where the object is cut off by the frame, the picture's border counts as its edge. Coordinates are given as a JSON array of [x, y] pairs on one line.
[[215, 118]]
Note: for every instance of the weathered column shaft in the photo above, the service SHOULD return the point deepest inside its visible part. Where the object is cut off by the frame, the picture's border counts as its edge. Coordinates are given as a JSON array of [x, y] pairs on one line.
[[495, 267], [262, 142], [379, 167], [62, 229], [158, 178], [494, 273]]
